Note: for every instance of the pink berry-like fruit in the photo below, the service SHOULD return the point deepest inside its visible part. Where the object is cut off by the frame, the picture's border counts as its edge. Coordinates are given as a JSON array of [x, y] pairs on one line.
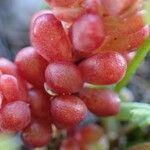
[[101, 102], [104, 68], [63, 77], [68, 111]]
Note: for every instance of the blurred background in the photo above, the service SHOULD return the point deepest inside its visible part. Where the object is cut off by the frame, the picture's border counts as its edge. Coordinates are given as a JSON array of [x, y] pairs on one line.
[[15, 16]]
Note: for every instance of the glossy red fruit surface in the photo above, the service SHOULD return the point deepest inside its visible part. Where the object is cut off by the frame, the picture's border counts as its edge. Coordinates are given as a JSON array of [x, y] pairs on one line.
[[68, 111], [64, 3], [70, 14], [23, 89], [136, 6], [63, 77], [87, 33], [94, 6], [39, 103], [125, 43], [115, 7], [8, 67], [10, 88], [15, 116], [1, 99], [101, 102], [49, 38], [104, 68], [36, 15], [89, 134], [37, 134], [116, 26], [69, 144], [31, 66]]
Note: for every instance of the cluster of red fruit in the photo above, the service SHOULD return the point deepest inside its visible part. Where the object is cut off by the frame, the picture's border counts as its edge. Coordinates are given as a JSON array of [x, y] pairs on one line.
[[79, 42], [83, 138]]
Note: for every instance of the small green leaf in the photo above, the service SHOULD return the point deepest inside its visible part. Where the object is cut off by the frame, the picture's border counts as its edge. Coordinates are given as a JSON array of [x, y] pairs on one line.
[[137, 113]]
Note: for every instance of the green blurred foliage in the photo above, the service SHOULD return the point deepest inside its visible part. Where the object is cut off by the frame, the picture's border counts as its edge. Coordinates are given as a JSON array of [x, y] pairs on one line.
[[136, 113], [9, 142], [147, 9]]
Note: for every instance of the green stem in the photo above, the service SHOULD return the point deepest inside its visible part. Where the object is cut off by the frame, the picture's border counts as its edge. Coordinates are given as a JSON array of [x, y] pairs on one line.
[[133, 66], [111, 126]]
